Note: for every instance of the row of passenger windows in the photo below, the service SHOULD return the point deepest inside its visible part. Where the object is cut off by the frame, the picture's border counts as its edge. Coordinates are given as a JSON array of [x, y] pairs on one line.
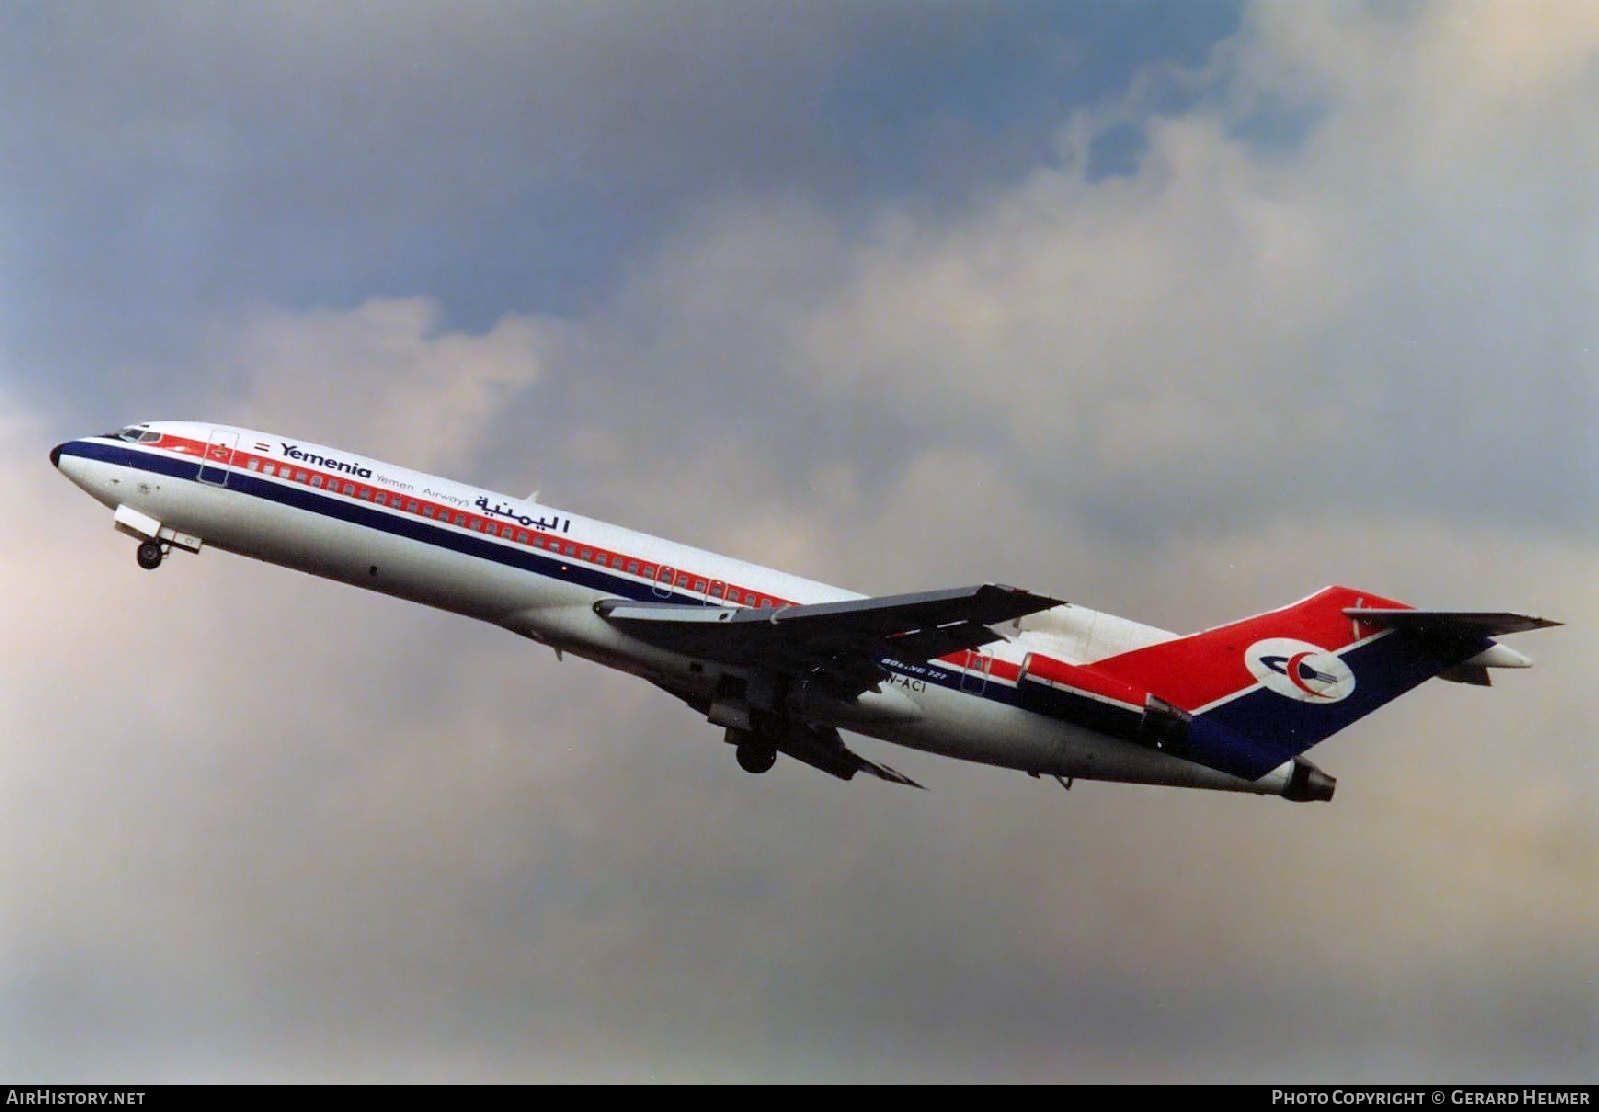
[[665, 578]]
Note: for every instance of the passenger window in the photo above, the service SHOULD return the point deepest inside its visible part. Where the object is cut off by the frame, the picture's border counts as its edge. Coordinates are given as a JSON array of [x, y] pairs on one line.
[[300, 476], [316, 480], [365, 494], [427, 511], [521, 537], [269, 469], [253, 465], [632, 567]]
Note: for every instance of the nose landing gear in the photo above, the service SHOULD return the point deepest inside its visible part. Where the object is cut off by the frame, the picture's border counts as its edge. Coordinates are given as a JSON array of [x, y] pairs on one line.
[[150, 555]]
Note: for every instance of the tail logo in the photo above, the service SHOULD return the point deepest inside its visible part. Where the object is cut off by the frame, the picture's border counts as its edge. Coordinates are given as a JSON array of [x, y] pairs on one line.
[[1299, 670]]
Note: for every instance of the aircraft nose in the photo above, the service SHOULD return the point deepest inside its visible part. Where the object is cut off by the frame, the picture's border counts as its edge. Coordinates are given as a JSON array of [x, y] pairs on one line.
[[55, 456]]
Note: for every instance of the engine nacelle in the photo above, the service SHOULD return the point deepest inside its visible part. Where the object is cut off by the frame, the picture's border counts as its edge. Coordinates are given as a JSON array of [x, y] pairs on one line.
[[1102, 702], [1309, 784]]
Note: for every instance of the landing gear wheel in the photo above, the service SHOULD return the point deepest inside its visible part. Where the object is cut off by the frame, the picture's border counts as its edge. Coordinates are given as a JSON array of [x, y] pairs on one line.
[[756, 757], [149, 555]]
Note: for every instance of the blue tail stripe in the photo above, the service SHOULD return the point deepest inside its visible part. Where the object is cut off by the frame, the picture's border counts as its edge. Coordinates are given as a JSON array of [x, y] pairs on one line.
[[1256, 732]]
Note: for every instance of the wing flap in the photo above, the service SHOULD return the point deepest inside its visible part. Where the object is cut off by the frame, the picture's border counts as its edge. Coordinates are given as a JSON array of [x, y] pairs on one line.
[[840, 640], [822, 748]]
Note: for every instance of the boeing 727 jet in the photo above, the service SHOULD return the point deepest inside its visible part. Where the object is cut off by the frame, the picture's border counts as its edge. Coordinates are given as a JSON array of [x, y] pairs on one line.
[[988, 673]]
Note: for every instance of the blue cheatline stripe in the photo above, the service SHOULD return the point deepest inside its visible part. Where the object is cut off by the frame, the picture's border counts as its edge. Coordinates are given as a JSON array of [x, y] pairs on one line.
[[538, 561]]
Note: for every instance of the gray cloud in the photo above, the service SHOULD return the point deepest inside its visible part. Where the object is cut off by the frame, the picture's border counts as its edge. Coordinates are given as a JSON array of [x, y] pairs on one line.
[[166, 161]]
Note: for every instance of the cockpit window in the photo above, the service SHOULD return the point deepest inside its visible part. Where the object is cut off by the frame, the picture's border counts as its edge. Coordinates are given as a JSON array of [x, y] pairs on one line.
[[133, 434]]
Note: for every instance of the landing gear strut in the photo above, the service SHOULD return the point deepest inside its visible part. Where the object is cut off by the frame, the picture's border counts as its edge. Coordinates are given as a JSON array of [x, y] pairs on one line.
[[150, 554]]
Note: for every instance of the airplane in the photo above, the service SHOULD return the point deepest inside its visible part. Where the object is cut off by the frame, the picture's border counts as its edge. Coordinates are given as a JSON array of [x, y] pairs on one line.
[[988, 673]]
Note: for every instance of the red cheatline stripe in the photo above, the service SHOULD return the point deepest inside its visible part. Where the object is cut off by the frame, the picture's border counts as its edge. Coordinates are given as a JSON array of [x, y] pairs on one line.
[[648, 569], [682, 578], [1083, 680]]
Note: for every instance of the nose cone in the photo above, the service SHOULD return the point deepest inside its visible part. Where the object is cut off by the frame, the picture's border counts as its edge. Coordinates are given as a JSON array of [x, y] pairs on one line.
[[55, 456]]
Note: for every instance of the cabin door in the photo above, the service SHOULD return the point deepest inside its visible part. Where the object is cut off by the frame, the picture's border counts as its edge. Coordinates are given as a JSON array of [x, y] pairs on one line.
[[218, 454]]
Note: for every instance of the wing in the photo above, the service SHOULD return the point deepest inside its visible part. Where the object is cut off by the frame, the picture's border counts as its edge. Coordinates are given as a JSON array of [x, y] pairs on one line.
[[836, 643]]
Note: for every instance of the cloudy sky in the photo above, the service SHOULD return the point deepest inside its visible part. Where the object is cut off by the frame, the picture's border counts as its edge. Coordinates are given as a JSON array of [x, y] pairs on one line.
[[1177, 309]]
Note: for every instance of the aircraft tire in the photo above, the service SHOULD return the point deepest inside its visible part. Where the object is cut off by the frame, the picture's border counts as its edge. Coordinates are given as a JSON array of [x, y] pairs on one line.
[[756, 758], [149, 555]]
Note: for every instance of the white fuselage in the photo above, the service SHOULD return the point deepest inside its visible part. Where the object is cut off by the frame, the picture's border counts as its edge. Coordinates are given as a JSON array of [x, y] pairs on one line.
[[538, 572]]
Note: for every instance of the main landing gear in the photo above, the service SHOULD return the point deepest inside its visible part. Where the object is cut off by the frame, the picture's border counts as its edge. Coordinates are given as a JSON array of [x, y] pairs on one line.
[[755, 757], [755, 753], [150, 554]]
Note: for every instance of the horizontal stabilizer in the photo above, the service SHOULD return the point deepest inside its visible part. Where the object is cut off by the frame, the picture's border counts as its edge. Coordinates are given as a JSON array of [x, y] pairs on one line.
[[1449, 623]]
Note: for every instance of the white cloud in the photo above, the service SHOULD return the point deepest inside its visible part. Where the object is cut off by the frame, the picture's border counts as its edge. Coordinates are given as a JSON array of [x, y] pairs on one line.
[[383, 378], [1373, 315]]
